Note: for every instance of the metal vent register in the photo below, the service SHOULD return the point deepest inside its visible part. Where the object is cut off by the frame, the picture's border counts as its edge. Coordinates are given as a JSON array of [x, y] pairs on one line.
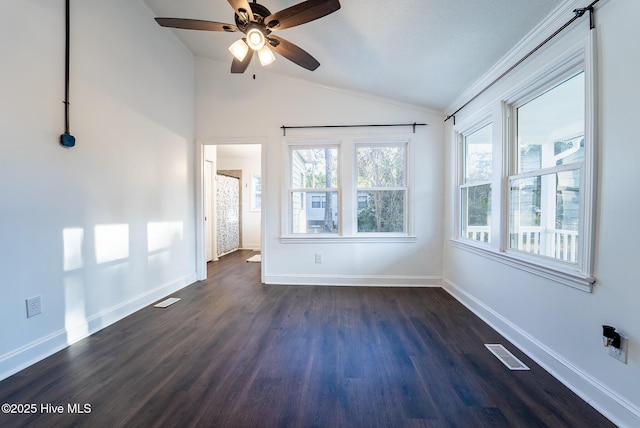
[[507, 358]]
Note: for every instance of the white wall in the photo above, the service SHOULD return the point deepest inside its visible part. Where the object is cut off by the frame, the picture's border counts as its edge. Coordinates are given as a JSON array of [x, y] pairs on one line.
[[557, 325], [250, 221], [107, 227], [237, 107]]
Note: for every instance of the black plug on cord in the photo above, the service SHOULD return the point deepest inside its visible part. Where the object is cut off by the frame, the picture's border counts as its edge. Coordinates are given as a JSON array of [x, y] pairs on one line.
[[610, 336]]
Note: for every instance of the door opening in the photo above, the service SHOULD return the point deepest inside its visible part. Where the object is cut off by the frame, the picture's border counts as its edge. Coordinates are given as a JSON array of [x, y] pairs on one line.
[[244, 161]]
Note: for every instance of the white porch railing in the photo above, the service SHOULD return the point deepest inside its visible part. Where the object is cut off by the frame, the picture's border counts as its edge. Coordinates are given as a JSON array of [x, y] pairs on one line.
[[479, 233], [560, 244]]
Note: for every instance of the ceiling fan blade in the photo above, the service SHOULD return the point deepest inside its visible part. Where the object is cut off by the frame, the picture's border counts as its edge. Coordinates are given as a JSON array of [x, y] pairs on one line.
[[242, 5], [293, 53], [301, 13], [196, 24], [239, 67]]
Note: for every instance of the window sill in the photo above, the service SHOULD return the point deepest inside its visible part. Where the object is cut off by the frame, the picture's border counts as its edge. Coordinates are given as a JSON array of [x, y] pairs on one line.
[[569, 277], [332, 239]]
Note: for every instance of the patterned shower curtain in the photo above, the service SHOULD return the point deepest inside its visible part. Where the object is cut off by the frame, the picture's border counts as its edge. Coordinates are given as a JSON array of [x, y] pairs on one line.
[[228, 219]]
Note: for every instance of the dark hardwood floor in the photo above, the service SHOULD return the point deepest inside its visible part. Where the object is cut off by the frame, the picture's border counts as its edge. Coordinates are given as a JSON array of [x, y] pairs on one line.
[[236, 353]]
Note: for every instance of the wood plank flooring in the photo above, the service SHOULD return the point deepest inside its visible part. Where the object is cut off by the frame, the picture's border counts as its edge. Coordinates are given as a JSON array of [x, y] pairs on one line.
[[236, 353]]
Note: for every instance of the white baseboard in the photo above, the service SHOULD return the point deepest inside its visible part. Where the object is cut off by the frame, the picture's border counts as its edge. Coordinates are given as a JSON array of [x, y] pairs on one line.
[[252, 247], [611, 405], [14, 361], [355, 280]]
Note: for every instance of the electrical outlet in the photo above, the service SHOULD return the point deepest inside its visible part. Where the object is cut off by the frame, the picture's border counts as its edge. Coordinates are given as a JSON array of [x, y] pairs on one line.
[[621, 353], [34, 307], [318, 258]]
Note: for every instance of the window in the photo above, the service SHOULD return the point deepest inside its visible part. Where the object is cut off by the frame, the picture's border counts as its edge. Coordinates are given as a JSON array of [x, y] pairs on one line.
[[256, 193], [354, 188], [540, 133], [313, 195], [381, 188], [475, 188], [545, 191]]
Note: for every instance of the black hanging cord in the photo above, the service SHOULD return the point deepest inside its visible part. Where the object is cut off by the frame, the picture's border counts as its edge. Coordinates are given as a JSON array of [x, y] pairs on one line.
[[284, 128], [578, 13], [66, 139], [66, 68]]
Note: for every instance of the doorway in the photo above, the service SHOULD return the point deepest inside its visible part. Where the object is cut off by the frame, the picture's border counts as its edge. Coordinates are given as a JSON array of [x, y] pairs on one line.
[[244, 162]]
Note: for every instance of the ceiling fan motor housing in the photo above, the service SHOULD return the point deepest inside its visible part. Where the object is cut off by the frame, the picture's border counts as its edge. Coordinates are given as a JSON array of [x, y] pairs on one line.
[[259, 14]]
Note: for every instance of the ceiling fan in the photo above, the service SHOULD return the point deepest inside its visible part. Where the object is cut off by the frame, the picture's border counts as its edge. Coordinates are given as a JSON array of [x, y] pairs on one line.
[[257, 24]]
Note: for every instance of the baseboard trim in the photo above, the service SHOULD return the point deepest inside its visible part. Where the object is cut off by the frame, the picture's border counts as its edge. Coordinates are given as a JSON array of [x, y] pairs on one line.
[[19, 359], [355, 280], [607, 402], [251, 247]]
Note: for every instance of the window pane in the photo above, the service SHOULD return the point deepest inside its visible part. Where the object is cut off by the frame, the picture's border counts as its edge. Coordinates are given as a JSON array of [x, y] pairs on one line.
[[551, 126], [381, 166], [476, 213], [256, 196], [315, 168], [477, 150], [570, 151], [544, 215], [382, 211], [320, 215]]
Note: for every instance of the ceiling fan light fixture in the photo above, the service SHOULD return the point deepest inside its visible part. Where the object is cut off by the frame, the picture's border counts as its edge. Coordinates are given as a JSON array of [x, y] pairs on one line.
[[255, 39], [239, 49], [266, 56]]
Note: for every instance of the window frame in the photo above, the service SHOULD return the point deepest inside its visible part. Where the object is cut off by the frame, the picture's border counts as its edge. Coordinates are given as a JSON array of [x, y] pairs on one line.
[[347, 187], [405, 188], [486, 119], [571, 66], [580, 57], [288, 217]]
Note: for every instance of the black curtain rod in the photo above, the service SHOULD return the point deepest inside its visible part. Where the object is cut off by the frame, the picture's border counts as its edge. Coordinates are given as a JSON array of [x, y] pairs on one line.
[[284, 128], [578, 14]]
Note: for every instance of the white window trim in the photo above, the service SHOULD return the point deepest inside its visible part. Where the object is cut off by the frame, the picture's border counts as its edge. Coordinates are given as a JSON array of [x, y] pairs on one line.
[[580, 275], [407, 225], [347, 189], [475, 123], [288, 188]]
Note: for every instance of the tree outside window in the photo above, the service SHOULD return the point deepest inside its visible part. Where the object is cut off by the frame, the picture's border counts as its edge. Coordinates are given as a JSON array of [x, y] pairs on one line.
[[381, 188]]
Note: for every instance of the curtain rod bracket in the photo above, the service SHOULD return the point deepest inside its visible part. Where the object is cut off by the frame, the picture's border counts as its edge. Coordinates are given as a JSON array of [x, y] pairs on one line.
[[581, 11]]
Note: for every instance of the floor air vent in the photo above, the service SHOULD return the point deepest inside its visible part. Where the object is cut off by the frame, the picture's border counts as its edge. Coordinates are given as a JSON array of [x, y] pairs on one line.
[[168, 302], [507, 358]]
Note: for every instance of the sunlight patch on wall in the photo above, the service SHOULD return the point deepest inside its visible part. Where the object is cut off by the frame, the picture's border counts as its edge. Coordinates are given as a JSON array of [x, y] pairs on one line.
[[72, 239], [162, 235], [75, 316], [112, 242]]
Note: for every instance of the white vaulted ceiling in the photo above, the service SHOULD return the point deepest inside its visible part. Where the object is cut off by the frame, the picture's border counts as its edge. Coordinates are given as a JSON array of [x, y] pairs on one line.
[[424, 52]]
